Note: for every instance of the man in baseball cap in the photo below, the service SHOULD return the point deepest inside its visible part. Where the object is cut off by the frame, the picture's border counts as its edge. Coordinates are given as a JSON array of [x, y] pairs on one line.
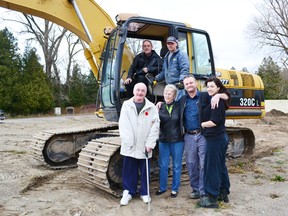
[[171, 39], [175, 66]]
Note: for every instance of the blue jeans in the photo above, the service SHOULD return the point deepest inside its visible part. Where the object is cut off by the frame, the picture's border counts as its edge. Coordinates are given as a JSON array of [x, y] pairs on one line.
[[195, 148], [175, 150]]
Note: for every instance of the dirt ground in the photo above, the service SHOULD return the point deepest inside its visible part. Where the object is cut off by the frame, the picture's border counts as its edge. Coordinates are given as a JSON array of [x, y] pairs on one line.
[[258, 186]]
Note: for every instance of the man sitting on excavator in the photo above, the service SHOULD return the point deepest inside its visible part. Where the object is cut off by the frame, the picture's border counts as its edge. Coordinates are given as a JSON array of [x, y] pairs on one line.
[[146, 62]]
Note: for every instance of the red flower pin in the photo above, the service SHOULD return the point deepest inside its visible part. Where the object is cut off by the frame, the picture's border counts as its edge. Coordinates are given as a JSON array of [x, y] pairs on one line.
[[146, 113]]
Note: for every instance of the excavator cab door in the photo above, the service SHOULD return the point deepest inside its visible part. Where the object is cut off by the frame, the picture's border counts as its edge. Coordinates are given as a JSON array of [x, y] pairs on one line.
[[109, 93]]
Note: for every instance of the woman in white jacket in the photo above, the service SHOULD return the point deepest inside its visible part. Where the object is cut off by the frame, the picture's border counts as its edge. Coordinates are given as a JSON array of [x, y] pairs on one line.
[[139, 130]]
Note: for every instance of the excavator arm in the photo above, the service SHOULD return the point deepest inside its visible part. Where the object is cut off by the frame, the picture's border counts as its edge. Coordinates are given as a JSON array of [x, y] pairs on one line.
[[84, 18]]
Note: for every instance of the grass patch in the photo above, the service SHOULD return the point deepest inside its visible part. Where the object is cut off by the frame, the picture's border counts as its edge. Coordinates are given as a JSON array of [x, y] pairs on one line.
[[15, 152], [280, 162], [278, 178], [240, 167], [277, 150]]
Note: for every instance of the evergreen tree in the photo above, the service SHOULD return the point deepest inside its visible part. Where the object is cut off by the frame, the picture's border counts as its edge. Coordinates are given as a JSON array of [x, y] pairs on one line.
[[90, 89], [10, 65], [36, 96], [269, 71], [76, 88]]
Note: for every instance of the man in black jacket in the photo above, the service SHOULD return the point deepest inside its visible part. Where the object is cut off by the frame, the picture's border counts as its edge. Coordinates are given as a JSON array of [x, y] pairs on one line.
[[146, 62]]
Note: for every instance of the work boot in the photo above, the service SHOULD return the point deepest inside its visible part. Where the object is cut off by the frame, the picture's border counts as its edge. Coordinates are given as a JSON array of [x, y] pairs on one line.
[[223, 196], [126, 197], [195, 194], [208, 202]]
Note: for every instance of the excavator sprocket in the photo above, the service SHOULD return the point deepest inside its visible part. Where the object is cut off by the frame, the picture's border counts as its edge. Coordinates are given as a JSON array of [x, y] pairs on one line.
[[59, 149]]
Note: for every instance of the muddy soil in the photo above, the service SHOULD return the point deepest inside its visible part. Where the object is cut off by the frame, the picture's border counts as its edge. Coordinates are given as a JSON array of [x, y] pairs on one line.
[[258, 185]]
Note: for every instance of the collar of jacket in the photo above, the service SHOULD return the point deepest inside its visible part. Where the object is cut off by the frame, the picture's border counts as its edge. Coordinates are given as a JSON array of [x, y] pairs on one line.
[[188, 96], [148, 104], [177, 50]]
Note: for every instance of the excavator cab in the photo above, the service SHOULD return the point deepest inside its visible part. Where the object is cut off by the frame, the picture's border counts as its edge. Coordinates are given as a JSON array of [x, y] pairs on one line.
[[118, 56]]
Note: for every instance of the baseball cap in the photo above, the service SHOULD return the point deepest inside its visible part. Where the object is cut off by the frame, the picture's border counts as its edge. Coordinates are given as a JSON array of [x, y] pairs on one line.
[[172, 39]]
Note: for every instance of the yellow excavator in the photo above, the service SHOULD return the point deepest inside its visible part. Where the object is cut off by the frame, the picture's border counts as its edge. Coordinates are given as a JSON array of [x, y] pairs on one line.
[[95, 150]]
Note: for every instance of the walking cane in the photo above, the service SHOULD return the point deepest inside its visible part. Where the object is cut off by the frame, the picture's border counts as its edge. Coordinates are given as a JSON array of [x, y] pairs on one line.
[[147, 176]]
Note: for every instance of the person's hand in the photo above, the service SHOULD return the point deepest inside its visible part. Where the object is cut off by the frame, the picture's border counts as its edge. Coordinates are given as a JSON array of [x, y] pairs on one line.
[[179, 85], [215, 101], [145, 69], [202, 125], [151, 79], [127, 81], [148, 149], [158, 105]]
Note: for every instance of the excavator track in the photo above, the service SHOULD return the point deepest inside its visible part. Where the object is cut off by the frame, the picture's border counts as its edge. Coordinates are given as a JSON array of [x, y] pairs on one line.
[[59, 149], [241, 142], [100, 164]]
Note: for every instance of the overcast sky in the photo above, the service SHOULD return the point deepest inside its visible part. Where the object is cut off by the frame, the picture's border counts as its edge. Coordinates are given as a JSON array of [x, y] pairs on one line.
[[226, 21]]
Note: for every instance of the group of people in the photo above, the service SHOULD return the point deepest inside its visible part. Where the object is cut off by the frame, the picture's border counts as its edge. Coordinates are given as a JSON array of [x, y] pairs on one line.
[[187, 121]]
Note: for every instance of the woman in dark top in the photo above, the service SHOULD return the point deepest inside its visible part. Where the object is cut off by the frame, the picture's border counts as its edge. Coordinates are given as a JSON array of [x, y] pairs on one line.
[[170, 141], [214, 130]]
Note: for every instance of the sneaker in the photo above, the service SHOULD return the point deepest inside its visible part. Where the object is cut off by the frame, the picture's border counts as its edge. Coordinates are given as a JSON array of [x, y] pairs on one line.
[[126, 197], [159, 192], [145, 198], [195, 195], [174, 194]]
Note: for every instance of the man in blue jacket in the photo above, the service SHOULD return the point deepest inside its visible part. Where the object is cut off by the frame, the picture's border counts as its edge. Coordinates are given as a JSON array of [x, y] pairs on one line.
[[195, 143], [175, 67]]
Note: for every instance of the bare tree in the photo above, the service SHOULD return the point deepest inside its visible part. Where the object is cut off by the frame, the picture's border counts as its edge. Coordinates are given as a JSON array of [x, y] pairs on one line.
[[270, 29], [50, 38], [135, 45], [72, 43]]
